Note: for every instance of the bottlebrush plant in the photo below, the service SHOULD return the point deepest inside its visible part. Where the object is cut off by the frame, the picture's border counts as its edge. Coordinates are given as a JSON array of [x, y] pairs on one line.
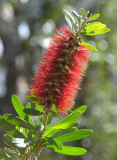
[[53, 91]]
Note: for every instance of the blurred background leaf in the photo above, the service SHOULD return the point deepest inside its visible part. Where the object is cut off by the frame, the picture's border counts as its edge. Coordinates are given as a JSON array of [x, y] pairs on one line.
[[26, 27]]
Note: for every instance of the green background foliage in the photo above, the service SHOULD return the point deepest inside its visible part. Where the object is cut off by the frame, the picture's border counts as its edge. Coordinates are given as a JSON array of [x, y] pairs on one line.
[[26, 27]]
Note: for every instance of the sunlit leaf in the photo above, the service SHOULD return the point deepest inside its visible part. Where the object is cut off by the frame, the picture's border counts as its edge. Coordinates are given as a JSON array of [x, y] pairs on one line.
[[39, 107], [10, 128], [49, 120], [72, 151], [88, 46], [18, 121], [52, 130], [66, 131], [87, 12], [98, 31], [74, 115], [73, 136], [19, 108], [29, 119], [49, 142], [93, 26], [83, 12], [95, 16]]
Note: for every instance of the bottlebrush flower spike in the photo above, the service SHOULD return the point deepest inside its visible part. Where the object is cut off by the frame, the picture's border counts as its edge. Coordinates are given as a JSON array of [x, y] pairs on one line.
[[60, 72]]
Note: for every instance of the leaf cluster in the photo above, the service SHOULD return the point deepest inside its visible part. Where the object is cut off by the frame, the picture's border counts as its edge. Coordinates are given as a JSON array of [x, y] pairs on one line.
[[22, 132], [83, 25]]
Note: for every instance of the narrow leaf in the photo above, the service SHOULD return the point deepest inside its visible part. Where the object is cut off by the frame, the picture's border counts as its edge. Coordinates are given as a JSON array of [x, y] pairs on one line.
[[52, 130], [49, 142], [32, 112], [18, 121], [18, 106], [72, 151], [93, 26], [83, 12], [88, 46], [95, 16], [78, 17], [73, 136], [49, 120], [66, 131], [39, 107], [87, 12], [69, 18], [10, 128], [75, 14], [74, 115], [98, 31], [29, 118]]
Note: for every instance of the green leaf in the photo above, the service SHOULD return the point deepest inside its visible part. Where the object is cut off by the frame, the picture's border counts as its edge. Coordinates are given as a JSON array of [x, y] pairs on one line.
[[95, 28], [98, 31], [78, 17], [75, 14], [10, 128], [83, 12], [33, 136], [66, 131], [88, 46], [18, 106], [52, 130], [18, 121], [39, 107], [76, 25], [71, 117], [54, 111], [72, 151], [74, 115], [49, 142], [32, 112], [49, 120], [95, 16], [73, 136], [29, 119], [87, 12], [69, 18]]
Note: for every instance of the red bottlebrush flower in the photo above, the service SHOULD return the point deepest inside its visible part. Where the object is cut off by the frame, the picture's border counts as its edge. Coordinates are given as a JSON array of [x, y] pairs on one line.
[[59, 75]]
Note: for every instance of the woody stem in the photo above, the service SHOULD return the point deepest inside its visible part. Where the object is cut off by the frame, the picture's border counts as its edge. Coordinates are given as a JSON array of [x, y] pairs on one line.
[[38, 147]]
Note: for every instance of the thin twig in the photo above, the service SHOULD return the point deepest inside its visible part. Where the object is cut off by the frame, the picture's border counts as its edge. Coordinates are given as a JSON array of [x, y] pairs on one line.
[[38, 147]]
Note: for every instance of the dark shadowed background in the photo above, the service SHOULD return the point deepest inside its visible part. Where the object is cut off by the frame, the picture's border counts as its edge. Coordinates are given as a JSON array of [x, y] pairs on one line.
[[26, 27]]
